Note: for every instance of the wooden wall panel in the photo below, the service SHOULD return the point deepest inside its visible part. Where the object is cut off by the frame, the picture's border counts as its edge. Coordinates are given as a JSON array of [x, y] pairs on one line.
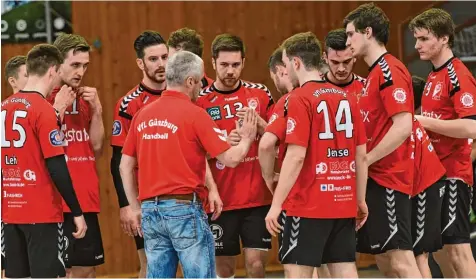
[[113, 70]]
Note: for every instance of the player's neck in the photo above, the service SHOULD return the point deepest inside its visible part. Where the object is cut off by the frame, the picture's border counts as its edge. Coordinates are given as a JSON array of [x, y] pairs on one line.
[[308, 76], [222, 87], [289, 88], [373, 53], [37, 84], [330, 77], [444, 55], [153, 85]]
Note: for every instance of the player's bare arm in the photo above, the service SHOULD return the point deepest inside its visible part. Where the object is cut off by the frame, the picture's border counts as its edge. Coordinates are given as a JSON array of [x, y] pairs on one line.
[[463, 128], [133, 224], [214, 200], [96, 127], [233, 156], [401, 129], [290, 170], [361, 167], [473, 151], [64, 99], [266, 156]]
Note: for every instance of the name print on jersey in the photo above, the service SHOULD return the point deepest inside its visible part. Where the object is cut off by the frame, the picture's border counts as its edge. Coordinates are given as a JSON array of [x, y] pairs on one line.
[[156, 123]]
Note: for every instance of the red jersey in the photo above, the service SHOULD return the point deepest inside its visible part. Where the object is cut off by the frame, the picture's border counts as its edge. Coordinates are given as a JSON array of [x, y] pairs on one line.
[[450, 93], [30, 134], [354, 87], [327, 121], [180, 135], [206, 82], [277, 126], [80, 154], [127, 107], [428, 168], [388, 91], [243, 186]]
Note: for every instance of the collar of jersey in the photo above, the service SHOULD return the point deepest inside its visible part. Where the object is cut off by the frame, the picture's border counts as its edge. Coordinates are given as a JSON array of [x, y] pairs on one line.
[[376, 61], [309, 81], [149, 90], [226, 92], [31, 91], [444, 65], [175, 94], [340, 85]]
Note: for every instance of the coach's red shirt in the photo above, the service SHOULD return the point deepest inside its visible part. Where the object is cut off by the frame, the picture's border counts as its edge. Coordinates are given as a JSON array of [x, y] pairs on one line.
[[31, 133], [388, 91], [428, 168], [450, 93], [327, 121], [179, 135], [80, 154], [354, 87], [243, 186], [126, 107]]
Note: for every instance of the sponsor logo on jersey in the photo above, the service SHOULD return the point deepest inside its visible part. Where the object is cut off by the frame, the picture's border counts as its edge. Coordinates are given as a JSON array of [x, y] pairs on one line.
[[272, 118], [56, 138], [400, 95], [291, 125], [253, 103], [29, 175], [116, 128], [214, 113], [467, 100], [437, 91], [220, 165], [321, 168]]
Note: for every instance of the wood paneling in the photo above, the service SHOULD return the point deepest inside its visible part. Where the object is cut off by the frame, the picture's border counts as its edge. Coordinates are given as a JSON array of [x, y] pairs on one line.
[[262, 25]]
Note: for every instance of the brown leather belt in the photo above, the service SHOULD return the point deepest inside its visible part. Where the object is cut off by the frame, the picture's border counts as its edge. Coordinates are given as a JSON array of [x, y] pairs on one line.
[[183, 197]]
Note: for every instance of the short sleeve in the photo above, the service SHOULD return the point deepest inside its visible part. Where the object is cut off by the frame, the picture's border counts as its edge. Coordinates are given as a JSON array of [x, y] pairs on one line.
[[397, 95], [464, 98], [210, 136], [130, 144], [49, 133], [277, 127], [298, 124]]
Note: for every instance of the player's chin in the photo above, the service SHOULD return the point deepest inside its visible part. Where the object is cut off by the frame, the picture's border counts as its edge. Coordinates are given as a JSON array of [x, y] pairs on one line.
[[424, 56]]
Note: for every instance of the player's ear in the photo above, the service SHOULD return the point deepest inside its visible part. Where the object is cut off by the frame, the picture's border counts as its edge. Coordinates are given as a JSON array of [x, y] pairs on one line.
[[324, 57], [214, 64], [445, 39], [12, 81], [368, 32], [243, 62], [140, 63]]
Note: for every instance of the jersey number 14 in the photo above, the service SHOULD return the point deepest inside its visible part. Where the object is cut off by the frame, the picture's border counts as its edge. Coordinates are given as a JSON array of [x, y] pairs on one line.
[[347, 126]]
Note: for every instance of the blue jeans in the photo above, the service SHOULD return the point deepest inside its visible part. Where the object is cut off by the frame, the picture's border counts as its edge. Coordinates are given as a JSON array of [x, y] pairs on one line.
[[177, 231]]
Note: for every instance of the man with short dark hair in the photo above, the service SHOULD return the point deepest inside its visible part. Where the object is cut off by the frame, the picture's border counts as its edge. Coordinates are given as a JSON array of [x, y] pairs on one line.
[[338, 56], [173, 136], [15, 72], [244, 193], [35, 177], [387, 110], [449, 116]]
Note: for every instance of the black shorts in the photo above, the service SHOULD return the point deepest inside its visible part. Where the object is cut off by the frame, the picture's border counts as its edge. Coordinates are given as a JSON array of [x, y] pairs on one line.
[[246, 224], [86, 251], [139, 242], [2, 245], [282, 222], [426, 219], [388, 226], [34, 250], [313, 242], [455, 212]]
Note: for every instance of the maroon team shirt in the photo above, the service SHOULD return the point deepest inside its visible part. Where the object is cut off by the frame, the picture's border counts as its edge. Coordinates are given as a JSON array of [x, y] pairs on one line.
[[80, 155], [242, 186], [428, 168], [450, 93], [327, 121], [31, 133], [388, 91]]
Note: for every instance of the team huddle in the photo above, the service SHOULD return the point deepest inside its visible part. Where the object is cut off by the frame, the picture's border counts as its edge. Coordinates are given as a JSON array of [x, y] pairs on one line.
[[338, 165]]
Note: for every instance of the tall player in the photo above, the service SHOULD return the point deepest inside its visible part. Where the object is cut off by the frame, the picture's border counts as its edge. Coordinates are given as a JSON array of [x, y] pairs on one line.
[[189, 40], [341, 63], [152, 55], [449, 116], [387, 111], [324, 173], [15, 72], [245, 196], [81, 114], [34, 174]]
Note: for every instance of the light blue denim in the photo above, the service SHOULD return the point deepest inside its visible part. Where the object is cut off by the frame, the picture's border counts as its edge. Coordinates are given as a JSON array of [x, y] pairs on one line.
[[177, 231]]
